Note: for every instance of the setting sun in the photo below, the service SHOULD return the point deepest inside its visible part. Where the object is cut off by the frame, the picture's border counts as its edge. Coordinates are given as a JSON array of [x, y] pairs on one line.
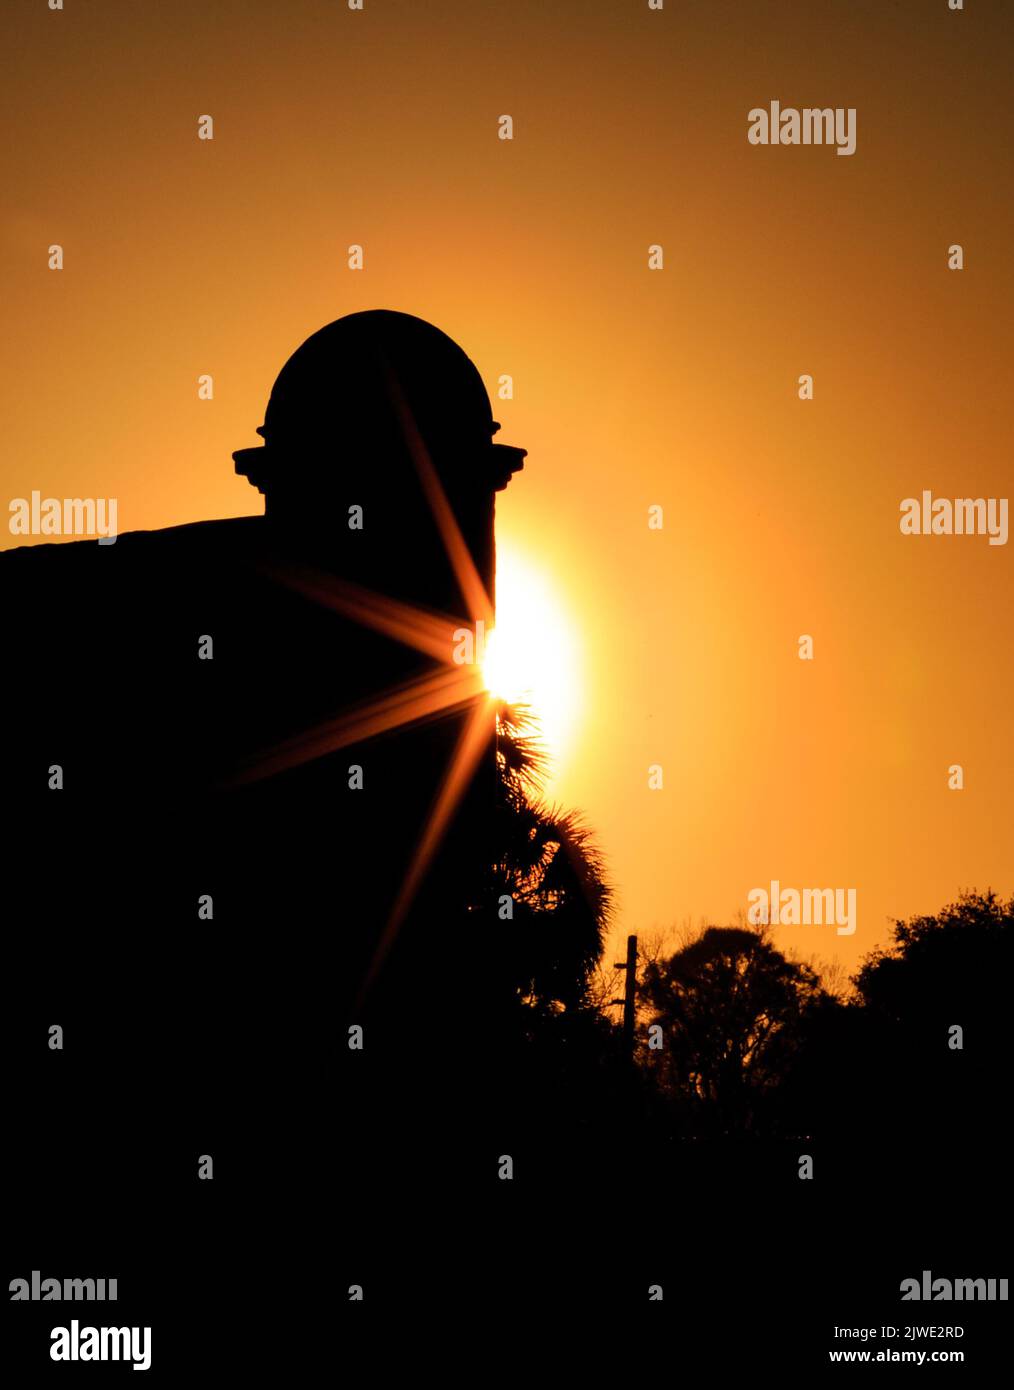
[[531, 656]]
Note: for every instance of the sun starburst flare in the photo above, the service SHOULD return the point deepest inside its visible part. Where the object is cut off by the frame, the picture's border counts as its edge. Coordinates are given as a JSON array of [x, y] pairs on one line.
[[528, 658]]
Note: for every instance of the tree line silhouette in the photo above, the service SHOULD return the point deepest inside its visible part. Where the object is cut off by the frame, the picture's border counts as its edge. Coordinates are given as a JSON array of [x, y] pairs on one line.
[[736, 1041]]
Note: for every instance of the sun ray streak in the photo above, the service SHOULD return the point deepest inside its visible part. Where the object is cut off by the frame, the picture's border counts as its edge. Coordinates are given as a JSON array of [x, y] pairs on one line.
[[474, 738], [473, 591], [435, 693], [430, 633]]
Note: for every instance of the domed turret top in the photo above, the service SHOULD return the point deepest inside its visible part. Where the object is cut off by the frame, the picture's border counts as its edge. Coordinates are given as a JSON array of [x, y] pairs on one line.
[[349, 395]]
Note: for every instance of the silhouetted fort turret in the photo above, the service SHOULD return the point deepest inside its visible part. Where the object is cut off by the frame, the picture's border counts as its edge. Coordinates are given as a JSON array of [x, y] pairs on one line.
[[278, 791], [331, 622], [345, 415]]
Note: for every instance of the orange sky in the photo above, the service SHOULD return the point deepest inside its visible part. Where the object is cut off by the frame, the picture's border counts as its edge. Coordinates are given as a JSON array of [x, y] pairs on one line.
[[675, 387]]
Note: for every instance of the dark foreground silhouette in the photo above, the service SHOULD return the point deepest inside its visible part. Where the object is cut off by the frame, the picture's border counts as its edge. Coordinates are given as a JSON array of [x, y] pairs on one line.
[[202, 689], [277, 790], [303, 827]]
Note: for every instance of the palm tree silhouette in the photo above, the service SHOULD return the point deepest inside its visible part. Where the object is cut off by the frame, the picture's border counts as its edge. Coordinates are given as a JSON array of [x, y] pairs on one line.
[[547, 862]]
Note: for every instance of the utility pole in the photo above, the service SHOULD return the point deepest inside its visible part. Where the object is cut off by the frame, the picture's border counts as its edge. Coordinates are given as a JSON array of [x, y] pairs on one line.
[[629, 993]]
